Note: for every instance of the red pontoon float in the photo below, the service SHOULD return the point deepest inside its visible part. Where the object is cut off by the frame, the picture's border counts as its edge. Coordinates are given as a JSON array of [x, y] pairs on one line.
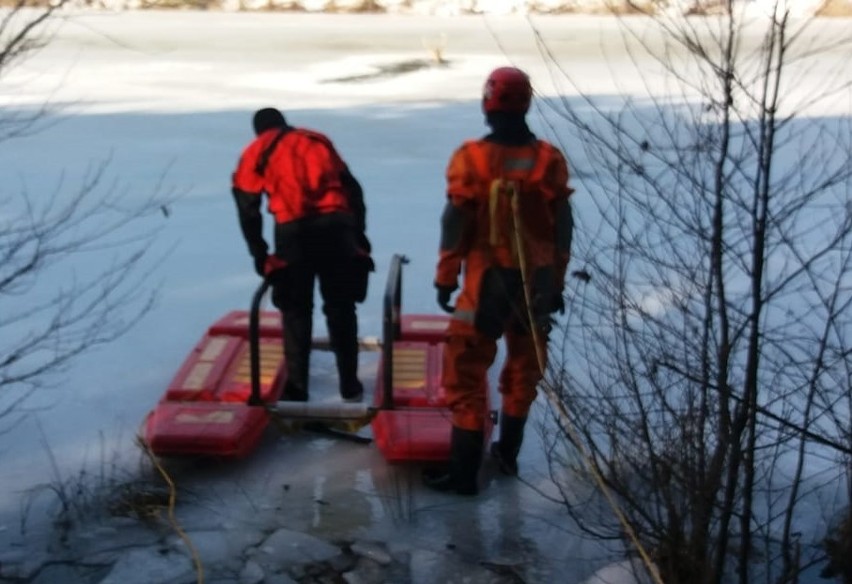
[[413, 421], [215, 404], [222, 398]]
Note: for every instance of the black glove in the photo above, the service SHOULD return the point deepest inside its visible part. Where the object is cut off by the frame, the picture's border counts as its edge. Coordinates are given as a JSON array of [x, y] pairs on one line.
[[260, 265], [444, 293], [557, 303]]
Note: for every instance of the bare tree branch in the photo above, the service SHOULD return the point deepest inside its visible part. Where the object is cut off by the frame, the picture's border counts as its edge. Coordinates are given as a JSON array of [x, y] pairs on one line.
[[74, 263], [707, 363]]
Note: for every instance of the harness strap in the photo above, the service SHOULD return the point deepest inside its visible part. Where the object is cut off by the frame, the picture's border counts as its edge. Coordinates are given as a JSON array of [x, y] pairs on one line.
[[493, 205], [263, 159]]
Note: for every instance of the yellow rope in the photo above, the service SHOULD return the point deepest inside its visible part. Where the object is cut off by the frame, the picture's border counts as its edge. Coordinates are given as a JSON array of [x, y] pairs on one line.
[[196, 559], [493, 200], [560, 407]]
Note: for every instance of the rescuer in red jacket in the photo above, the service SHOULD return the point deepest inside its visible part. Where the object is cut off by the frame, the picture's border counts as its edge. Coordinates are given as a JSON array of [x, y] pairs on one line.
[[507, 227], [319, 234]]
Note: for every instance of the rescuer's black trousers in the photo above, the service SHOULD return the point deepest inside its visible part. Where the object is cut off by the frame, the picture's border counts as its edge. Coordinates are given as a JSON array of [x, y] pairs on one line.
[[318, 251]]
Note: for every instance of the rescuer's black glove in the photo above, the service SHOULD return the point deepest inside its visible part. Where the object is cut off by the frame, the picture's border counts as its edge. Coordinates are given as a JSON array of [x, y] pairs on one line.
[[444, 294]]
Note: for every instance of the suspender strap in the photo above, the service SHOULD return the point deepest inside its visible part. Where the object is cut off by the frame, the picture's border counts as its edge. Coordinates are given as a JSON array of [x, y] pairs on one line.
[[263, 159]]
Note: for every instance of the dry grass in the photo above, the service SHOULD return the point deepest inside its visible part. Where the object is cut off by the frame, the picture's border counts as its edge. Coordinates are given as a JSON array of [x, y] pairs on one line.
[[836, 8]]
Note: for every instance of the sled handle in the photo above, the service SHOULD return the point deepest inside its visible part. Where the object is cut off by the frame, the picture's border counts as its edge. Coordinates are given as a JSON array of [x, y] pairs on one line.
[[391, 325], [254, 343]]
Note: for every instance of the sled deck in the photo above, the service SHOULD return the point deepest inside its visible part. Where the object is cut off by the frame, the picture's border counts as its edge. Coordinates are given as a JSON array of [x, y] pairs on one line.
[[210, 407], [413, 422]]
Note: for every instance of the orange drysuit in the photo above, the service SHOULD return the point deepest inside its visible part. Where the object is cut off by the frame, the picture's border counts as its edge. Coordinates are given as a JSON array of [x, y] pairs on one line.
[[507, 227]]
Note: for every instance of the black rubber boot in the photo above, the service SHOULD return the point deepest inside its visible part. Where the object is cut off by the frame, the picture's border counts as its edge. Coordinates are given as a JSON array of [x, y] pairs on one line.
[[505, 451], [462, 474], [343, 334], [297, 354]]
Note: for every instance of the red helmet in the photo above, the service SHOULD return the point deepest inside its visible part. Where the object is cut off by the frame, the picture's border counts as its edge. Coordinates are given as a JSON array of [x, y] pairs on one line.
[[507, 89]]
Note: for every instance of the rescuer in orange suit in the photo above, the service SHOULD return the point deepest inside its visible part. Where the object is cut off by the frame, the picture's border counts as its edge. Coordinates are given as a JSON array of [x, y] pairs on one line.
[[319, 234], [507, 226]]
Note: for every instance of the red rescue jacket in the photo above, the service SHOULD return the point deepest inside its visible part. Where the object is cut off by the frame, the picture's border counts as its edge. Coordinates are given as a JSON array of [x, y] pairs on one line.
[[300, 173]]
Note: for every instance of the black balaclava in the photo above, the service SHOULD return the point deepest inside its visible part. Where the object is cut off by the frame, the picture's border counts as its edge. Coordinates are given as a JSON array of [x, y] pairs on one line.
[[508, 128], [266, 119]]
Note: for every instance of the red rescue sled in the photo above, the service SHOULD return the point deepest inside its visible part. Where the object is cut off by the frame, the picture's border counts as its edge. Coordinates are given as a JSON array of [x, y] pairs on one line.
[[222, 398]]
